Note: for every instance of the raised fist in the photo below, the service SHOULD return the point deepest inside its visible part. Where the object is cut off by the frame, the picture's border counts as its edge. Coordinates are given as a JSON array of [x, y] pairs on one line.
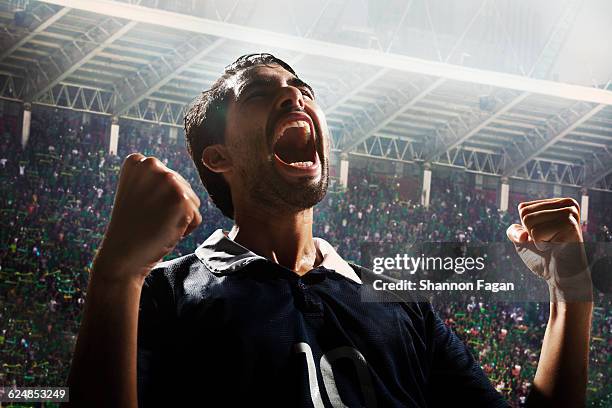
[[154, 208], [549, 241]]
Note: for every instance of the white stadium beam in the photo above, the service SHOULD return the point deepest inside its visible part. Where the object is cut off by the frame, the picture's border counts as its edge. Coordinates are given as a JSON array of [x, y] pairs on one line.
[[11, 87], [449, 138], [550, 52], [43, 16], [397, 113], [528, 150], [599, 168], [592, 182], [143, 83], [371, 57], [362, 86], [73, 54], [604, 184]]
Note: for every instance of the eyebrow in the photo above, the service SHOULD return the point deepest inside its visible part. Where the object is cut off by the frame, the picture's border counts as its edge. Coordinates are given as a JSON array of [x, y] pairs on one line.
[[297, 82], [267, 81]]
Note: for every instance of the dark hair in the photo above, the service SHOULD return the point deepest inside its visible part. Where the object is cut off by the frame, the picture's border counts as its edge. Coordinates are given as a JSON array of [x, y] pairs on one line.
[[205, 125]]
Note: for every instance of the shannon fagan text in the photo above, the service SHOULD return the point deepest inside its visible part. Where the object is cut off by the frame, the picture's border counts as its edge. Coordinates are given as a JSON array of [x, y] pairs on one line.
[[428, 285], [411, 264]]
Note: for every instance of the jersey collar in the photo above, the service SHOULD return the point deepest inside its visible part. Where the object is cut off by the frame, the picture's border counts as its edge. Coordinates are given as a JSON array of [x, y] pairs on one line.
[[223, 255]]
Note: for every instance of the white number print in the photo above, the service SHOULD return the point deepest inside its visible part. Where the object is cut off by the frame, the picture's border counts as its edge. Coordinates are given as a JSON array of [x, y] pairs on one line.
[[361, 367]]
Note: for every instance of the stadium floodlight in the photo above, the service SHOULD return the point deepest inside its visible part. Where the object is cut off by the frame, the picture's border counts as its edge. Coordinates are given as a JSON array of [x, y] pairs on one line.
[[364, 56]]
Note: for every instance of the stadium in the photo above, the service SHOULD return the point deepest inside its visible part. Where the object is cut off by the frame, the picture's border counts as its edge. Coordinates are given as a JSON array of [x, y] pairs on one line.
[[443, 116]]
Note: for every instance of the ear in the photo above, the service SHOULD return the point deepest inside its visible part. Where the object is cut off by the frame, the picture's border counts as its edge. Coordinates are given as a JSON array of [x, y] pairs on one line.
[[216, 158]]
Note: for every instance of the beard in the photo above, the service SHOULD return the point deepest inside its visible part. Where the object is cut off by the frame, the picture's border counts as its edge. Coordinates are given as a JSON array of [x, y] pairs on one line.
[[270, 189], [303, 194]]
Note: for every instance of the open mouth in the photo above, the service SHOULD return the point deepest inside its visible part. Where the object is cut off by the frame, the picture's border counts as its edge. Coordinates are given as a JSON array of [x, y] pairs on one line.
[[294, 147]]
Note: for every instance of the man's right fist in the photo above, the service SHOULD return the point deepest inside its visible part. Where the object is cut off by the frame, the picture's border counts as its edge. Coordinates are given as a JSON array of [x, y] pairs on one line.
[[154, 208]]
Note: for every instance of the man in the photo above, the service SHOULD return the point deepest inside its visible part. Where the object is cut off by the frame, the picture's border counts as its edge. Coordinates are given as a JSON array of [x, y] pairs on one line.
[[267, 315]]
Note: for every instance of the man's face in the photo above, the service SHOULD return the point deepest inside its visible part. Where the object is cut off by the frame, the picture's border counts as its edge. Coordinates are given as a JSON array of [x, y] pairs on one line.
[[278, 140]]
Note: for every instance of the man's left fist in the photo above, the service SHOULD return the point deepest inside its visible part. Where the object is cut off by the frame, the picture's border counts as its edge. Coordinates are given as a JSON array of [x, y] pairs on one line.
[[549, 241], [549, 220]]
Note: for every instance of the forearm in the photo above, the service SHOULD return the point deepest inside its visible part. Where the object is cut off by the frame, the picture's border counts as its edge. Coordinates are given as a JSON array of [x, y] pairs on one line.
[[103, 371], [562, 375]]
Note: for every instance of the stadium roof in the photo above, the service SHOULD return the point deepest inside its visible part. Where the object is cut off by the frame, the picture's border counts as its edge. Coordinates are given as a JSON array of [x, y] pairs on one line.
[[146, 60]]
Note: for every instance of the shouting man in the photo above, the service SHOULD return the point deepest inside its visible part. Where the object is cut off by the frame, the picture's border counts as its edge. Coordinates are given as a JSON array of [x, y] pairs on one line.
[[266, 314]]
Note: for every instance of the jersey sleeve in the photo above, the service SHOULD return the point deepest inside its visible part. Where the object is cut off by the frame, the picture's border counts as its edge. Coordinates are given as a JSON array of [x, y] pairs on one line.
[[456, 378], [154, 328]]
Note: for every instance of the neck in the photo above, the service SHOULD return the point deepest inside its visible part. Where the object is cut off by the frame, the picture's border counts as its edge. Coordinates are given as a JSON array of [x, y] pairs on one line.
[[283, 238]]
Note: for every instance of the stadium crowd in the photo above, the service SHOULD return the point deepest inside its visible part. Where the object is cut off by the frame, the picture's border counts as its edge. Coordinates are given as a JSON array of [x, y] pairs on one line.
[[56, 197]]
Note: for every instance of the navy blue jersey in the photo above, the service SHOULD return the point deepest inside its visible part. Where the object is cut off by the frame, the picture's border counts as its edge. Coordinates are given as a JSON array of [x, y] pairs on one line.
[[223, 327]]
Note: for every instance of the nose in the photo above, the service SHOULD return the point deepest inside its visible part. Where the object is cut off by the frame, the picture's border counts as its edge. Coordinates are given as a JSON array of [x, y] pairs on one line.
[[290, 98]]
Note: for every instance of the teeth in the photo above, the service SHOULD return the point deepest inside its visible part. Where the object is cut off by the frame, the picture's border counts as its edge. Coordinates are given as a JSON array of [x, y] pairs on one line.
[[294, 123], [302, 164]]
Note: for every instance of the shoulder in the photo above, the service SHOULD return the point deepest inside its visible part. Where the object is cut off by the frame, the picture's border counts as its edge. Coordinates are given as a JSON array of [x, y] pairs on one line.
[[171, 270], [175, 266], [168, 278]]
